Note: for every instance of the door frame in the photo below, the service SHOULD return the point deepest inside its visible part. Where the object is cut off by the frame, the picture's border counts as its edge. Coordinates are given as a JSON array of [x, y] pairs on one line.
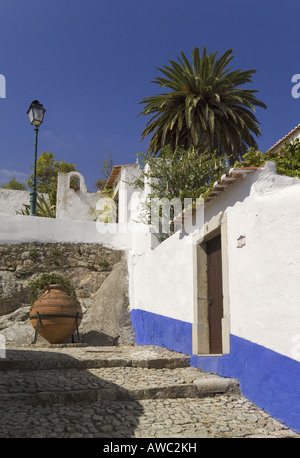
[[201, 341]]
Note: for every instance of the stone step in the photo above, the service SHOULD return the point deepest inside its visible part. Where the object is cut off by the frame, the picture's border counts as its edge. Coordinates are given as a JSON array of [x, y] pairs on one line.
[[114, 384], [72, 392], [33, 357], [72, 374]]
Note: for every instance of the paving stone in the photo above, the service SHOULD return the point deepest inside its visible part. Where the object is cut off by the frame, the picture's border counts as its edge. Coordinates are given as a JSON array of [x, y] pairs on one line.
[[118, 392]]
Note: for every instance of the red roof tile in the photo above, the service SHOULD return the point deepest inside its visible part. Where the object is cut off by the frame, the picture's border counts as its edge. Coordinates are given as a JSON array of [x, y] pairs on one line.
[[113, 176], [227, 180], [285, 138]]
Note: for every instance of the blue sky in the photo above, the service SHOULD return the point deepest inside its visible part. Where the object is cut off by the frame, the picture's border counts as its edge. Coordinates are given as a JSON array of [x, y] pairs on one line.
[[90, 62]]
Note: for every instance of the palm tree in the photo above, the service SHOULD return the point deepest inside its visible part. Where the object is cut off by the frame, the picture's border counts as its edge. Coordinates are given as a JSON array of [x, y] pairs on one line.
[[206, 108]]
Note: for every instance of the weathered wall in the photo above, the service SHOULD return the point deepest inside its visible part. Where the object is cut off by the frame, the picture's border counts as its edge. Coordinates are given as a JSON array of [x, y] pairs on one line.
[[12, 201], [71, 204], [18, 228], [98, 274]]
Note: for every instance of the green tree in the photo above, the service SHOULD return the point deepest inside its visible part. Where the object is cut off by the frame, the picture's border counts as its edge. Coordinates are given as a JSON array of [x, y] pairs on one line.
[[47, 169], [181, 173], [14, 184], [205, 107], [106, 166]]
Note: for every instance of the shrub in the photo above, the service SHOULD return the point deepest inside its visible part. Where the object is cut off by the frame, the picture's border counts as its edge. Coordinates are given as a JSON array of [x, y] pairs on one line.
[[39, 285]]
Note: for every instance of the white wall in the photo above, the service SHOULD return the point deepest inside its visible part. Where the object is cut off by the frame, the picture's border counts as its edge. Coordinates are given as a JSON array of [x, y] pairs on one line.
[[236, 192], [127, 206], [264, 275], [71, 204], [17, 229], [12, 201], [162, 276], [161, 280]]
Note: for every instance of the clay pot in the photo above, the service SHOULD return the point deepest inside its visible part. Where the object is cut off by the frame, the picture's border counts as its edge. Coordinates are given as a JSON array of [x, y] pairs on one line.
[[57, 312]]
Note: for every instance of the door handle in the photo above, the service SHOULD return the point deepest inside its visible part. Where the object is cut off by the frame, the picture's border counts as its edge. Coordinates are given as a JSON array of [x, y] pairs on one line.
[[210, 300]]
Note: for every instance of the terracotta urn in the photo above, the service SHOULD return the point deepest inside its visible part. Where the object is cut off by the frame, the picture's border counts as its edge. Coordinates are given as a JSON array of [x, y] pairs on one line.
[[55, 315]]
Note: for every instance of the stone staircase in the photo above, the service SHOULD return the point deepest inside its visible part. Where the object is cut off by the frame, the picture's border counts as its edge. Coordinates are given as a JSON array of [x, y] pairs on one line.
[[37, 375], [122, 392]]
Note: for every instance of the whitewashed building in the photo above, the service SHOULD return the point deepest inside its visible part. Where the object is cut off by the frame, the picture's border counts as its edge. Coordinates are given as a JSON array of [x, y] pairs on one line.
[[226, 292]]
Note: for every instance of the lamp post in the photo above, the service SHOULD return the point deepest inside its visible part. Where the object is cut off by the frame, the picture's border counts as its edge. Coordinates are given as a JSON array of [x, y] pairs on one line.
[[36, 115]]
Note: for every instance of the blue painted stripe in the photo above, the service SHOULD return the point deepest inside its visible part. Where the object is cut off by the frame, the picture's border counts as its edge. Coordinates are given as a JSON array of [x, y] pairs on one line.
[[270, 380], [153, 329], [267, 378]]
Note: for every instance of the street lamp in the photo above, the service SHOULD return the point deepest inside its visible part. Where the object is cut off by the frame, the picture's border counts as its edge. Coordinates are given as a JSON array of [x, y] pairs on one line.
[[36, 115]]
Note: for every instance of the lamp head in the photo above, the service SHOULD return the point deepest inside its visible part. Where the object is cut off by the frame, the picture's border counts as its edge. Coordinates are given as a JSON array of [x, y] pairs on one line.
[[36, 113]]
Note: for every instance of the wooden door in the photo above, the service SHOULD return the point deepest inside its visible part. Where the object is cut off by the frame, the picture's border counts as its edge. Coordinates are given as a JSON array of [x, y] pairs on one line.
[[215, 293]]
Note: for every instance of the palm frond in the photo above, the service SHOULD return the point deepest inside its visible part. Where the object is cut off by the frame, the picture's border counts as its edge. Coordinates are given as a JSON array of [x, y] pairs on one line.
[[43, 208], [206, 105]]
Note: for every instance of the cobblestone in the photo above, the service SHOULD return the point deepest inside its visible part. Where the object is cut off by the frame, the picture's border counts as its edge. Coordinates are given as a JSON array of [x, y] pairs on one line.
[[198, 418], [33, 403]]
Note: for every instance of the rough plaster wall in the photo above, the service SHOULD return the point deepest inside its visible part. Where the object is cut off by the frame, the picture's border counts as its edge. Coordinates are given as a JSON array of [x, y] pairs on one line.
[[12, 201], [73, 204]]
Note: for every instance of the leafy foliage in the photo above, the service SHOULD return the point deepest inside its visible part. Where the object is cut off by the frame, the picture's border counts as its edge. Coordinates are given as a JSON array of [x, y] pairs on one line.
[[252, 158], [181, 173], [47, 168], [39, 285], [106, 166], [287, 159], [14, 184], [108, 213], [188, 174], [205, 108], [43, 208]]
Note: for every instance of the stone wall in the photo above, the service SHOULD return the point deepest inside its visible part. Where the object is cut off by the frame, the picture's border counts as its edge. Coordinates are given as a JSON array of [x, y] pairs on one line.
[[99, 276]]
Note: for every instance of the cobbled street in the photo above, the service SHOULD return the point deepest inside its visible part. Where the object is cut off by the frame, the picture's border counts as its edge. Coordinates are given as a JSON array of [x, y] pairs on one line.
[[122, 392]]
